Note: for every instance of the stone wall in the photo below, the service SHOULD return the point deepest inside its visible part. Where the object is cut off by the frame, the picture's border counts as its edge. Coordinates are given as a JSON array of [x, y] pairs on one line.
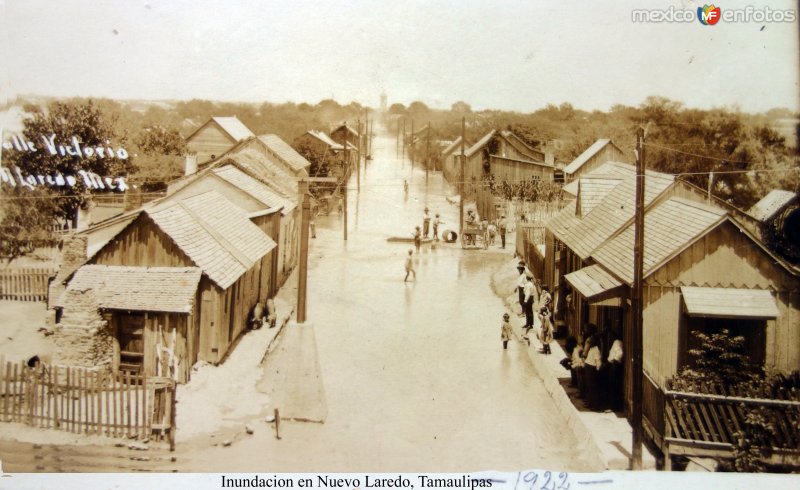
[[73, 255], [83, 338]]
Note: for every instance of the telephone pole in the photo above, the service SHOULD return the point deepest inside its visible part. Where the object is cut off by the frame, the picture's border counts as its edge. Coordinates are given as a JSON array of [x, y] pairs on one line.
[[636, 306], [411, 151], [302, 188], [358, 159], [344, 182], [403, 146], [427, 150], [461, 180]]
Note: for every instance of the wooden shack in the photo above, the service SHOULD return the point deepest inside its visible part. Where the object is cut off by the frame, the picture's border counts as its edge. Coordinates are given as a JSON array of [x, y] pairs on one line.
[[601, 151], [514, 160], [205, 232], [215, 137], [451, 161]]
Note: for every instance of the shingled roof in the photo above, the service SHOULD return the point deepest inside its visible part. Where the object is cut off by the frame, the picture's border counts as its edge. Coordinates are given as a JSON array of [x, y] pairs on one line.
[[285, 152], [612, 213], [588, 153], [254, 188], [215, 234], [669, 228], [166, 289], [455, 145], [234, 127], [325, 139]]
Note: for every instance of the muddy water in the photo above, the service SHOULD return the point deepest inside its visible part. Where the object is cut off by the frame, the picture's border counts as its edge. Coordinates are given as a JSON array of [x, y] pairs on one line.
[[414, 373]]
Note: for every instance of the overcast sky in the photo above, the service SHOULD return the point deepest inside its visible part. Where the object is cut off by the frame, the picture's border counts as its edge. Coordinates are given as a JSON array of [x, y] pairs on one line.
[[515, 55]]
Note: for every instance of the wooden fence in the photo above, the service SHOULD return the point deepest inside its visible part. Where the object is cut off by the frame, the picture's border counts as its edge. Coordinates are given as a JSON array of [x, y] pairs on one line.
[[88, 401], [707, 424], [25, 284]]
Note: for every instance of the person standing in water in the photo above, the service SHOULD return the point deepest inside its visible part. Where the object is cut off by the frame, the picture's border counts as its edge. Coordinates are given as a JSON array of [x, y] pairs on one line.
[[410, 266]]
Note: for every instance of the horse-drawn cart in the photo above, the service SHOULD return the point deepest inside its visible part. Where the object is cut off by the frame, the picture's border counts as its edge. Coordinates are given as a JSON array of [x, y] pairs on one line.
[[473, 236]]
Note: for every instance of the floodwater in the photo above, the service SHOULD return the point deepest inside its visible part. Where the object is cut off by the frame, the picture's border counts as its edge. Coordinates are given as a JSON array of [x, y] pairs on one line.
[[414, 373]]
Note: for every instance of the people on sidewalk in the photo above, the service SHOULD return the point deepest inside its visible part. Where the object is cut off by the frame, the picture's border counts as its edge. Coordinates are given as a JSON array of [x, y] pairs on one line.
[[546, 334], [410, 266], [521, 280], [501, 227], [528, 291], [592, 365], [505, 330]]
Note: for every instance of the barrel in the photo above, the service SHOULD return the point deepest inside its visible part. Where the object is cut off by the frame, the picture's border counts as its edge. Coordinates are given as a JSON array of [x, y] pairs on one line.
[[450, 236]]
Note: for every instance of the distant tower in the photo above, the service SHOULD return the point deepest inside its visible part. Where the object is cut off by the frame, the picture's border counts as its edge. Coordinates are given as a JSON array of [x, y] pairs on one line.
[[383, 102]]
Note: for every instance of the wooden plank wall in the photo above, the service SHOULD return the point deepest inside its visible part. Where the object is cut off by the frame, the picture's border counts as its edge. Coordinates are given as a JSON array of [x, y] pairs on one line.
[[210, 140], [142, 244], [25, 284]]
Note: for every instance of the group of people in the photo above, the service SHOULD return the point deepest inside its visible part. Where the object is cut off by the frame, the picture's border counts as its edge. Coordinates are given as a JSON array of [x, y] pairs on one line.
[[490, 229], [595, 363], [532, 296]]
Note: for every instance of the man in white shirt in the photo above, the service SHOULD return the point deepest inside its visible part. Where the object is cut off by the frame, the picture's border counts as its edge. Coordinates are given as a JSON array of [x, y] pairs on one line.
[[521, 279], [528, 292]]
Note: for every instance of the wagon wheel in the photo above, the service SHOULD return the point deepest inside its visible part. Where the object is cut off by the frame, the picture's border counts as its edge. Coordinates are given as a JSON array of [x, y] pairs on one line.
[[486, 240]]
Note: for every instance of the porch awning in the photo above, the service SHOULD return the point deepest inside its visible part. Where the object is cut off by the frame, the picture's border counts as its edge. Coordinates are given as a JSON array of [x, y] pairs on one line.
[[162, 289], [596, 284], [755, 304]]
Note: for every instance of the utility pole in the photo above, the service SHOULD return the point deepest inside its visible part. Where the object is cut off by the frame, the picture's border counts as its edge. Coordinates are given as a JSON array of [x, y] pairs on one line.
[[396, 143], [427, 150], [346, 178], [403, 151], [461, 180], [638, 268], [358, 160], [412, 145], [302, 187]]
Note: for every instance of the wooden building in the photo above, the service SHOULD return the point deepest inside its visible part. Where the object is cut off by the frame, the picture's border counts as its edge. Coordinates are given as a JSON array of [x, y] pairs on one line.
[[345, 133], [451, 158], [601, 151], [704, 269], [328, 150], [504, 155], [163, 247], [216, 137]]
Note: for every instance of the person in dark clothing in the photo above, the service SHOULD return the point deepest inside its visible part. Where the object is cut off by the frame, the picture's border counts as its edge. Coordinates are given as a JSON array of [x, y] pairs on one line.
[[501, 228]]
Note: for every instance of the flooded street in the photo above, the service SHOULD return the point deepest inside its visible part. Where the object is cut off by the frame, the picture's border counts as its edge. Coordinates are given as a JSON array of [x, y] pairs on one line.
[[414, 373]]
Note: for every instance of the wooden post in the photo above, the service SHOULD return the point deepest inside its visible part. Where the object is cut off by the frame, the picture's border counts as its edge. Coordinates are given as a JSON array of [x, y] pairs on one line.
[[303, 265], [346, 179], [277, 424], [427, 150], [638, 266], [172, 425], [403, 146], [397, 140], [358, 159], [461, 180], [411, 150]]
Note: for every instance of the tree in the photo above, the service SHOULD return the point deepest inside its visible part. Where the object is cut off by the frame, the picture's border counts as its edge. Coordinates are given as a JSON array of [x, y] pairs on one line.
[[71, 137], [397, 108], [160, 159], [461, 107]]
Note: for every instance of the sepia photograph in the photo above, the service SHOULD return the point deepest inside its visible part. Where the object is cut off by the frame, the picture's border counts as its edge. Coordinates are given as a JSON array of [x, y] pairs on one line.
[[429, 244]]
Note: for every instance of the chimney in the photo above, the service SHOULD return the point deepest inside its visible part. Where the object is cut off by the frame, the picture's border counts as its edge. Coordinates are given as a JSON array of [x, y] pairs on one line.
[[190, 165], [73, 255]]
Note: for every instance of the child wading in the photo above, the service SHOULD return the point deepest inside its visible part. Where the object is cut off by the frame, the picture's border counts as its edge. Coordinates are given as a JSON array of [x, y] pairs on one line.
[[505, 331], [410, 266]]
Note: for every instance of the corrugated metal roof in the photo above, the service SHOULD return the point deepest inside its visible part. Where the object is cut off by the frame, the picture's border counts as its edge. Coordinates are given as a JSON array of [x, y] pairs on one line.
[[668, 229], [255, 188], [215, 234], [770, 204], [234, 127], [284, 151], [586, 155], [729, 303], [167, 289], [480, 144], [592, 281]]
